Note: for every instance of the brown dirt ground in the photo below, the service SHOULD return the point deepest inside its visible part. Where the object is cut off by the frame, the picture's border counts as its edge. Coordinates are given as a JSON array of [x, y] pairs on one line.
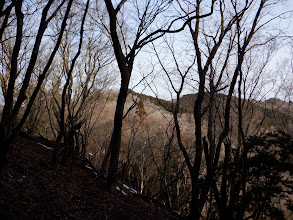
[[31, 189]]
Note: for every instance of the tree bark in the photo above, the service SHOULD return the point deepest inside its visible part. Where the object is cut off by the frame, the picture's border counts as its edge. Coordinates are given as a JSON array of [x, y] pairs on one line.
[[116, 135], [125, 67], [6, 125]]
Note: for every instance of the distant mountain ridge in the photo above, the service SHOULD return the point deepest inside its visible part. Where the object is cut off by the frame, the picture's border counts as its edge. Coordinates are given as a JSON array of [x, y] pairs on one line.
[[276, 112]]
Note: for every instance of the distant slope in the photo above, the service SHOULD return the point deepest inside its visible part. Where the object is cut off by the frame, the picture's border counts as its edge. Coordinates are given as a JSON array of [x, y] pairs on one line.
[[275, 113]]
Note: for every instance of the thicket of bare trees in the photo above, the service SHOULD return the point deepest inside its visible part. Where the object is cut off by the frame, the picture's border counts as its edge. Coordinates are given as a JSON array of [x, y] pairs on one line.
[[220, 52], [56, 77], [22, 59], [68, 50]]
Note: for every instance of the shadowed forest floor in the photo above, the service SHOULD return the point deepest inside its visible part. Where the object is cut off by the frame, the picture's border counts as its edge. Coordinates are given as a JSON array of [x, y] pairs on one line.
[[31, 189]]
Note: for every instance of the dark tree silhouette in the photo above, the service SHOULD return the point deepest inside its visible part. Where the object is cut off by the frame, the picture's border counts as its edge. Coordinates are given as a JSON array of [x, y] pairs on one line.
[[12, 121]]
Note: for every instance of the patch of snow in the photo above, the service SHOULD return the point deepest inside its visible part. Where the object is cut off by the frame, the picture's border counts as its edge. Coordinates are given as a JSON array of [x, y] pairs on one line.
[[89, 167], [127, 187], [45, 146], [22, 178], [130, 189], [133, 191], [123, 192]]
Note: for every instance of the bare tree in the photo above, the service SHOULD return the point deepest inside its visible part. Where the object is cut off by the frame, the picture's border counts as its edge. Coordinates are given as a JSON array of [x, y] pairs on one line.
[[147, 12], [9, 126], [215, 49], [69, 71]]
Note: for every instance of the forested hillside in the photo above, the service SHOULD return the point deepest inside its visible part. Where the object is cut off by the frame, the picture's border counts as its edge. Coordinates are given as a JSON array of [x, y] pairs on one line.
[[150, 160]]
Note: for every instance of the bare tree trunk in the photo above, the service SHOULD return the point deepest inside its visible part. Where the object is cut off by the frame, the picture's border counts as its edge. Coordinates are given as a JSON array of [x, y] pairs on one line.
[[116, 135], [62, 132], [8, 126], [125, 67], [125, 63]]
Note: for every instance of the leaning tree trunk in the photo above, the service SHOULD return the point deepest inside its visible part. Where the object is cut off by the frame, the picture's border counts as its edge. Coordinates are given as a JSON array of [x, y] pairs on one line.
[[125, 66], [116, 135]]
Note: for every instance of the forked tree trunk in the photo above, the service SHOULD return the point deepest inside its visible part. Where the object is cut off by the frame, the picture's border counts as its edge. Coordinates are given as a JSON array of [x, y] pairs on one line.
[[125, 67]]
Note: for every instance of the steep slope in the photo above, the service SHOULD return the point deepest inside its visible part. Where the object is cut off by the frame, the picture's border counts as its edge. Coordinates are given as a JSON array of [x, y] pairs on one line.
[[31, 189]]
